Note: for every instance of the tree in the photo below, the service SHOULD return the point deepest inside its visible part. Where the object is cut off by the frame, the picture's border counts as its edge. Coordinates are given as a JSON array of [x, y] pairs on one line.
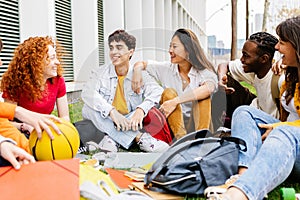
[[247, 19], [234, 30], [285, 13], [265, 16]]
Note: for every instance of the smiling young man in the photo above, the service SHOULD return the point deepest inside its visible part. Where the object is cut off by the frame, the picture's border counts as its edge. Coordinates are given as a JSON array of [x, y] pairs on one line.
[[113, 107], [254, 67]]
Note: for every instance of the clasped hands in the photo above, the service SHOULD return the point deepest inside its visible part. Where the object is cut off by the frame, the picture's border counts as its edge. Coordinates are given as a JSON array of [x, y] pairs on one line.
[[123, 124]]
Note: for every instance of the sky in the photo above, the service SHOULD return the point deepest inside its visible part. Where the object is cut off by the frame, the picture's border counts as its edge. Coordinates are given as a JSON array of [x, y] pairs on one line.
[[218, 21]]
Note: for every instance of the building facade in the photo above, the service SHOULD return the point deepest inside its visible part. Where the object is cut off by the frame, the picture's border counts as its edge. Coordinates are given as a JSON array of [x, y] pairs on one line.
[[82, 27]]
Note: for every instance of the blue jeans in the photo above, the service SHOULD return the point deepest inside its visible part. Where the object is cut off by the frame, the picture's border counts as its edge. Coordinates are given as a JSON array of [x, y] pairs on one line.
[[106, 125], [269, 163]]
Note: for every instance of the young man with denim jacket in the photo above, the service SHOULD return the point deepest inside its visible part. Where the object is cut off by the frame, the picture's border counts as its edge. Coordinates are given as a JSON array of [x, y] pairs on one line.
[[113, 107]]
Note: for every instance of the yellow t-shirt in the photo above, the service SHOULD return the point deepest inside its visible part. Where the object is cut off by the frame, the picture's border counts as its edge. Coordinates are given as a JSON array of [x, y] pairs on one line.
[[119, 101]]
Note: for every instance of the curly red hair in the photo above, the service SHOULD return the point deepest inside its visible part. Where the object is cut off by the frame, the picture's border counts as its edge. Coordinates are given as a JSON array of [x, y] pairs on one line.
[[25, 71]]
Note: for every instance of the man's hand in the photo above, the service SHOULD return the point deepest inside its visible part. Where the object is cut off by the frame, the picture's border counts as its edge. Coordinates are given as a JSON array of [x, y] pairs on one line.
[[136, 121], [15, 155], [38, 121], [120, 121], [223, 85]]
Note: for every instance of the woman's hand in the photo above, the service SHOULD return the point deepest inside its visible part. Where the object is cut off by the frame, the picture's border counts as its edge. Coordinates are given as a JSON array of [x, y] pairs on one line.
[[169, 106], [38, 121], [268, 127], [137, 79], [278, 67]]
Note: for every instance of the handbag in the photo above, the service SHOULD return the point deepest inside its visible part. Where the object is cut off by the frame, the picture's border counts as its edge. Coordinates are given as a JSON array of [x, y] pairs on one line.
[[192, 163]]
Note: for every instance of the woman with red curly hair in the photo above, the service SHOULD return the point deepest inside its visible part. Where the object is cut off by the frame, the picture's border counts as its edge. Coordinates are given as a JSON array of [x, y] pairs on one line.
[[34, 79]]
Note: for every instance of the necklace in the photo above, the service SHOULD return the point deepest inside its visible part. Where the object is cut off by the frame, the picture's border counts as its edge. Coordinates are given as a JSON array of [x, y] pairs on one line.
[[184, 81]]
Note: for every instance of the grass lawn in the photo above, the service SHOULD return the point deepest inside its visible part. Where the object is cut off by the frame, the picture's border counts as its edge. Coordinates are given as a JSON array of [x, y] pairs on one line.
[[75, 115]]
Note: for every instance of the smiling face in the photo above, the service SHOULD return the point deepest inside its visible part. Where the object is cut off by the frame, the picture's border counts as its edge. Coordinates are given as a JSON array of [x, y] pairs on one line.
[[250, 58], [289, 56], [119, 53], [177, 52], [51, 63]]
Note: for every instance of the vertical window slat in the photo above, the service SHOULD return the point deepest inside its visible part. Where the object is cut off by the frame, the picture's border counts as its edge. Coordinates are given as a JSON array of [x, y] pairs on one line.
[[63, 24], [9, 31], [100, 32]]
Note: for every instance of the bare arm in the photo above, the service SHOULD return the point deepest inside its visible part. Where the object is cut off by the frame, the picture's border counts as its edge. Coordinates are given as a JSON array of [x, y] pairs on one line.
[[38, 121], [222, 76], [137, 80], [62, 107]]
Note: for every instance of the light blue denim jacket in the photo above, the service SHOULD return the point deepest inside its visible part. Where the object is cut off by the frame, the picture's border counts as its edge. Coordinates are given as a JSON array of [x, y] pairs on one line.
[[99, 91]]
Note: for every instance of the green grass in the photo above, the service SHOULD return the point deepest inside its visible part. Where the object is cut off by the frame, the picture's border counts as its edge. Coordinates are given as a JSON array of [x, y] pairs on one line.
[[74, 111], [250, 87], [75, 115]]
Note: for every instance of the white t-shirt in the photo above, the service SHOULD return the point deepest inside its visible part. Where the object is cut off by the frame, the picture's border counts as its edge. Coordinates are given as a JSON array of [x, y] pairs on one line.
[[264, 100], [290, 108]]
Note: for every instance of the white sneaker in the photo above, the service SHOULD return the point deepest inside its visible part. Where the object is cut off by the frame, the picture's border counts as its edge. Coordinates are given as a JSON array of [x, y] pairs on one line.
[[108, 144], [148, 143]]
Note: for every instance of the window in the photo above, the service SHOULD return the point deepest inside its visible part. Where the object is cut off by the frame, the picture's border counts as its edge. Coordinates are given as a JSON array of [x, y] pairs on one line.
[[9, 30], [63, 23], [100, 32]]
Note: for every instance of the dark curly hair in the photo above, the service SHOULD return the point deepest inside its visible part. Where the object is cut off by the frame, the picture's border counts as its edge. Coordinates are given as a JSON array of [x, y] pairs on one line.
[[265, 43], [118, 35], [25, 73], [122, 35]]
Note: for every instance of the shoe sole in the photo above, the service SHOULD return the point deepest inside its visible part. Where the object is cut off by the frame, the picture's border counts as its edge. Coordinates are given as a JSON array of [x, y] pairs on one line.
[[214, 190]]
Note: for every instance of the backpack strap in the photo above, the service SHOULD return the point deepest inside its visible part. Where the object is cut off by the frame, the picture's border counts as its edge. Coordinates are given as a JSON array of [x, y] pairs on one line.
[[238, 141], [275, 90], [203, 133]]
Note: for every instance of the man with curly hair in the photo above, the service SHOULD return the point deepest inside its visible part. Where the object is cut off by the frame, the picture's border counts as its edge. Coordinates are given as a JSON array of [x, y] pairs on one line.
[[112, 105], [254, 68]]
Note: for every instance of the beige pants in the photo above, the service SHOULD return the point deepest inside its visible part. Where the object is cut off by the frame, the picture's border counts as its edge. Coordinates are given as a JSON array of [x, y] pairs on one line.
[[200, 115]]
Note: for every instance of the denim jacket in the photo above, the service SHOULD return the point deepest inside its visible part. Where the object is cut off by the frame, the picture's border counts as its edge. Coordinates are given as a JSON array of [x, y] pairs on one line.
[[100, 89]]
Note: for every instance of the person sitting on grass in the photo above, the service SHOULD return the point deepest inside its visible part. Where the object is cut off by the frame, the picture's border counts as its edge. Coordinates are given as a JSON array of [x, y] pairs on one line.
[[254, 67], [114, 108], [189, 80]]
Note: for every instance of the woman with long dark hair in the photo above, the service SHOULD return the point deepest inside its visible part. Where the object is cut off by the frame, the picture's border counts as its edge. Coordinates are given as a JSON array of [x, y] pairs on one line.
[[189, 80]]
